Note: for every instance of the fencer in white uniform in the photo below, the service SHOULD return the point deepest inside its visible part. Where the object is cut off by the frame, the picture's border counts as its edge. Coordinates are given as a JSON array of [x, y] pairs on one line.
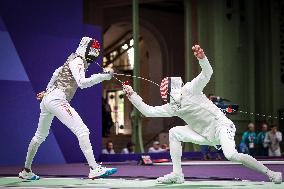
[[206, 124], [55, 102]]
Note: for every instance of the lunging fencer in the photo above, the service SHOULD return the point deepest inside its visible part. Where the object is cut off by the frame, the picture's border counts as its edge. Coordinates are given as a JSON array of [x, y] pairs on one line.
[[55, 102], [206, 124]]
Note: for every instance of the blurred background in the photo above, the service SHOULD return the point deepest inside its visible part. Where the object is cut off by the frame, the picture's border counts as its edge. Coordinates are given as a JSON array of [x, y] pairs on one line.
[[243, 40]]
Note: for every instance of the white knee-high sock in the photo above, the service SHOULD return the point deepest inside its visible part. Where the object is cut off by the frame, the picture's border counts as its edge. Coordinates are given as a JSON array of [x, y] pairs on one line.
[[86, 148], [250, 162], [32, 149], [176, 153]]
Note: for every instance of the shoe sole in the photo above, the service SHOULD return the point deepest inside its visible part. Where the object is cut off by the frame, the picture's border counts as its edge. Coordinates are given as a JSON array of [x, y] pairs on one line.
[[178, 182], [278, 181], [106, 174], [33, 178], [170, 182]]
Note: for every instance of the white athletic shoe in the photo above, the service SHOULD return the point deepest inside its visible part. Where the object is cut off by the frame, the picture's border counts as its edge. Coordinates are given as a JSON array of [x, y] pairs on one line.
[[171, 178], [101, 172], [28, 175], [275, 177]]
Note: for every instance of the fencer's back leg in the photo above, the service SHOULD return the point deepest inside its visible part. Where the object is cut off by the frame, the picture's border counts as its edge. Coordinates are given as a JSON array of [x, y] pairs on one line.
[[42, 132], [228, 146]]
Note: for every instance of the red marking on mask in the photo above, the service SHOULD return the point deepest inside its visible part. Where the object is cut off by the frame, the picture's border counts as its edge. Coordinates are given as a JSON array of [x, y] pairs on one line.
[[95, 44], [164, 88]]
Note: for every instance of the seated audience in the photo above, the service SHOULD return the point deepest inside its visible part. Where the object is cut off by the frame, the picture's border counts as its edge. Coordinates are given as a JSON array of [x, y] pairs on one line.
[[206, 150], [249, 138], [165, 147], [156, 148], [109, 148], [272, 141], [129, 148], [262, 148]]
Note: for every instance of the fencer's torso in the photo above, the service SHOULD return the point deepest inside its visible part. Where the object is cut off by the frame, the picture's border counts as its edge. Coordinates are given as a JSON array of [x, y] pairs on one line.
[[65, 81], [190, 104], [201, 114]]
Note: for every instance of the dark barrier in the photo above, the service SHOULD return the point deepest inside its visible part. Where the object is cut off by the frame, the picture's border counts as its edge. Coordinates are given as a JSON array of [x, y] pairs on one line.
[[154, 156]]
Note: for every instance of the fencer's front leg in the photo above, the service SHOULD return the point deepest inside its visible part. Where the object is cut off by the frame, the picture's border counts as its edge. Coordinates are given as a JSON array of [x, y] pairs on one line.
[[176, 152], [177, 135]]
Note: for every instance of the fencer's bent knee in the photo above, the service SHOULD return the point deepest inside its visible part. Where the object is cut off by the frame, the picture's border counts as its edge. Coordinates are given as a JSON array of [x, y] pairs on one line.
[[172, 134], [177, 134]]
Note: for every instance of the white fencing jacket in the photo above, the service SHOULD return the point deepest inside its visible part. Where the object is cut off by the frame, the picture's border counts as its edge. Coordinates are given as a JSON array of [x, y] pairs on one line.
[[195, 109], [71, 75]]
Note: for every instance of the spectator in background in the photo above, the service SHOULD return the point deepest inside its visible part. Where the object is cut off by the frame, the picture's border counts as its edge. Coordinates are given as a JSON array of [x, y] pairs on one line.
[[165, 147], [155, 148], [249, 139], [129, 148], [107, 121], [206, 150], [262, 147], [109, 148], [272, 141]]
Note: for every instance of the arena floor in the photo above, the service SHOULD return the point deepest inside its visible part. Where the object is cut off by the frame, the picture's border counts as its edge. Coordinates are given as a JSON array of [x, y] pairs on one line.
[[199, 174], [13, 182]]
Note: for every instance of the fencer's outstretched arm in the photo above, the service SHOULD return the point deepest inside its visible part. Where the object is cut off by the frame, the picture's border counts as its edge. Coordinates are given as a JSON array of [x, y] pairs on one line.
[[54, 77], [197, 84], [145, 109], [78, 71]]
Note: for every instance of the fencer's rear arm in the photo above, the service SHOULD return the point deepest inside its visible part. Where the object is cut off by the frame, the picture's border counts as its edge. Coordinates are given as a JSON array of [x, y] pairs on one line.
[[78, 71], [150, 111], [197, 84]]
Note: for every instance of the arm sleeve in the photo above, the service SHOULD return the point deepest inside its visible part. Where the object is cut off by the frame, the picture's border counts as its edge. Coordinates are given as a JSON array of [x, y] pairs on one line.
[[78, 72], [53, 78], [197, 84], [150, 111]]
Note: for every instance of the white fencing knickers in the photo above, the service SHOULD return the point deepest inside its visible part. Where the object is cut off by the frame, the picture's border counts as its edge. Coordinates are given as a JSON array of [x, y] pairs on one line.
[[180, 134], [225, 136], [55, 104]]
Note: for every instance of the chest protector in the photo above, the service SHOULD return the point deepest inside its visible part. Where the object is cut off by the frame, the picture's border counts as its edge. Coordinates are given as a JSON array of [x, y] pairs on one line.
[[65, 80]]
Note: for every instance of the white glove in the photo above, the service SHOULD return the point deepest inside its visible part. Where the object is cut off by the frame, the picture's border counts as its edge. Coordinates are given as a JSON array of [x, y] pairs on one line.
[[109, 73], [127, 89]]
